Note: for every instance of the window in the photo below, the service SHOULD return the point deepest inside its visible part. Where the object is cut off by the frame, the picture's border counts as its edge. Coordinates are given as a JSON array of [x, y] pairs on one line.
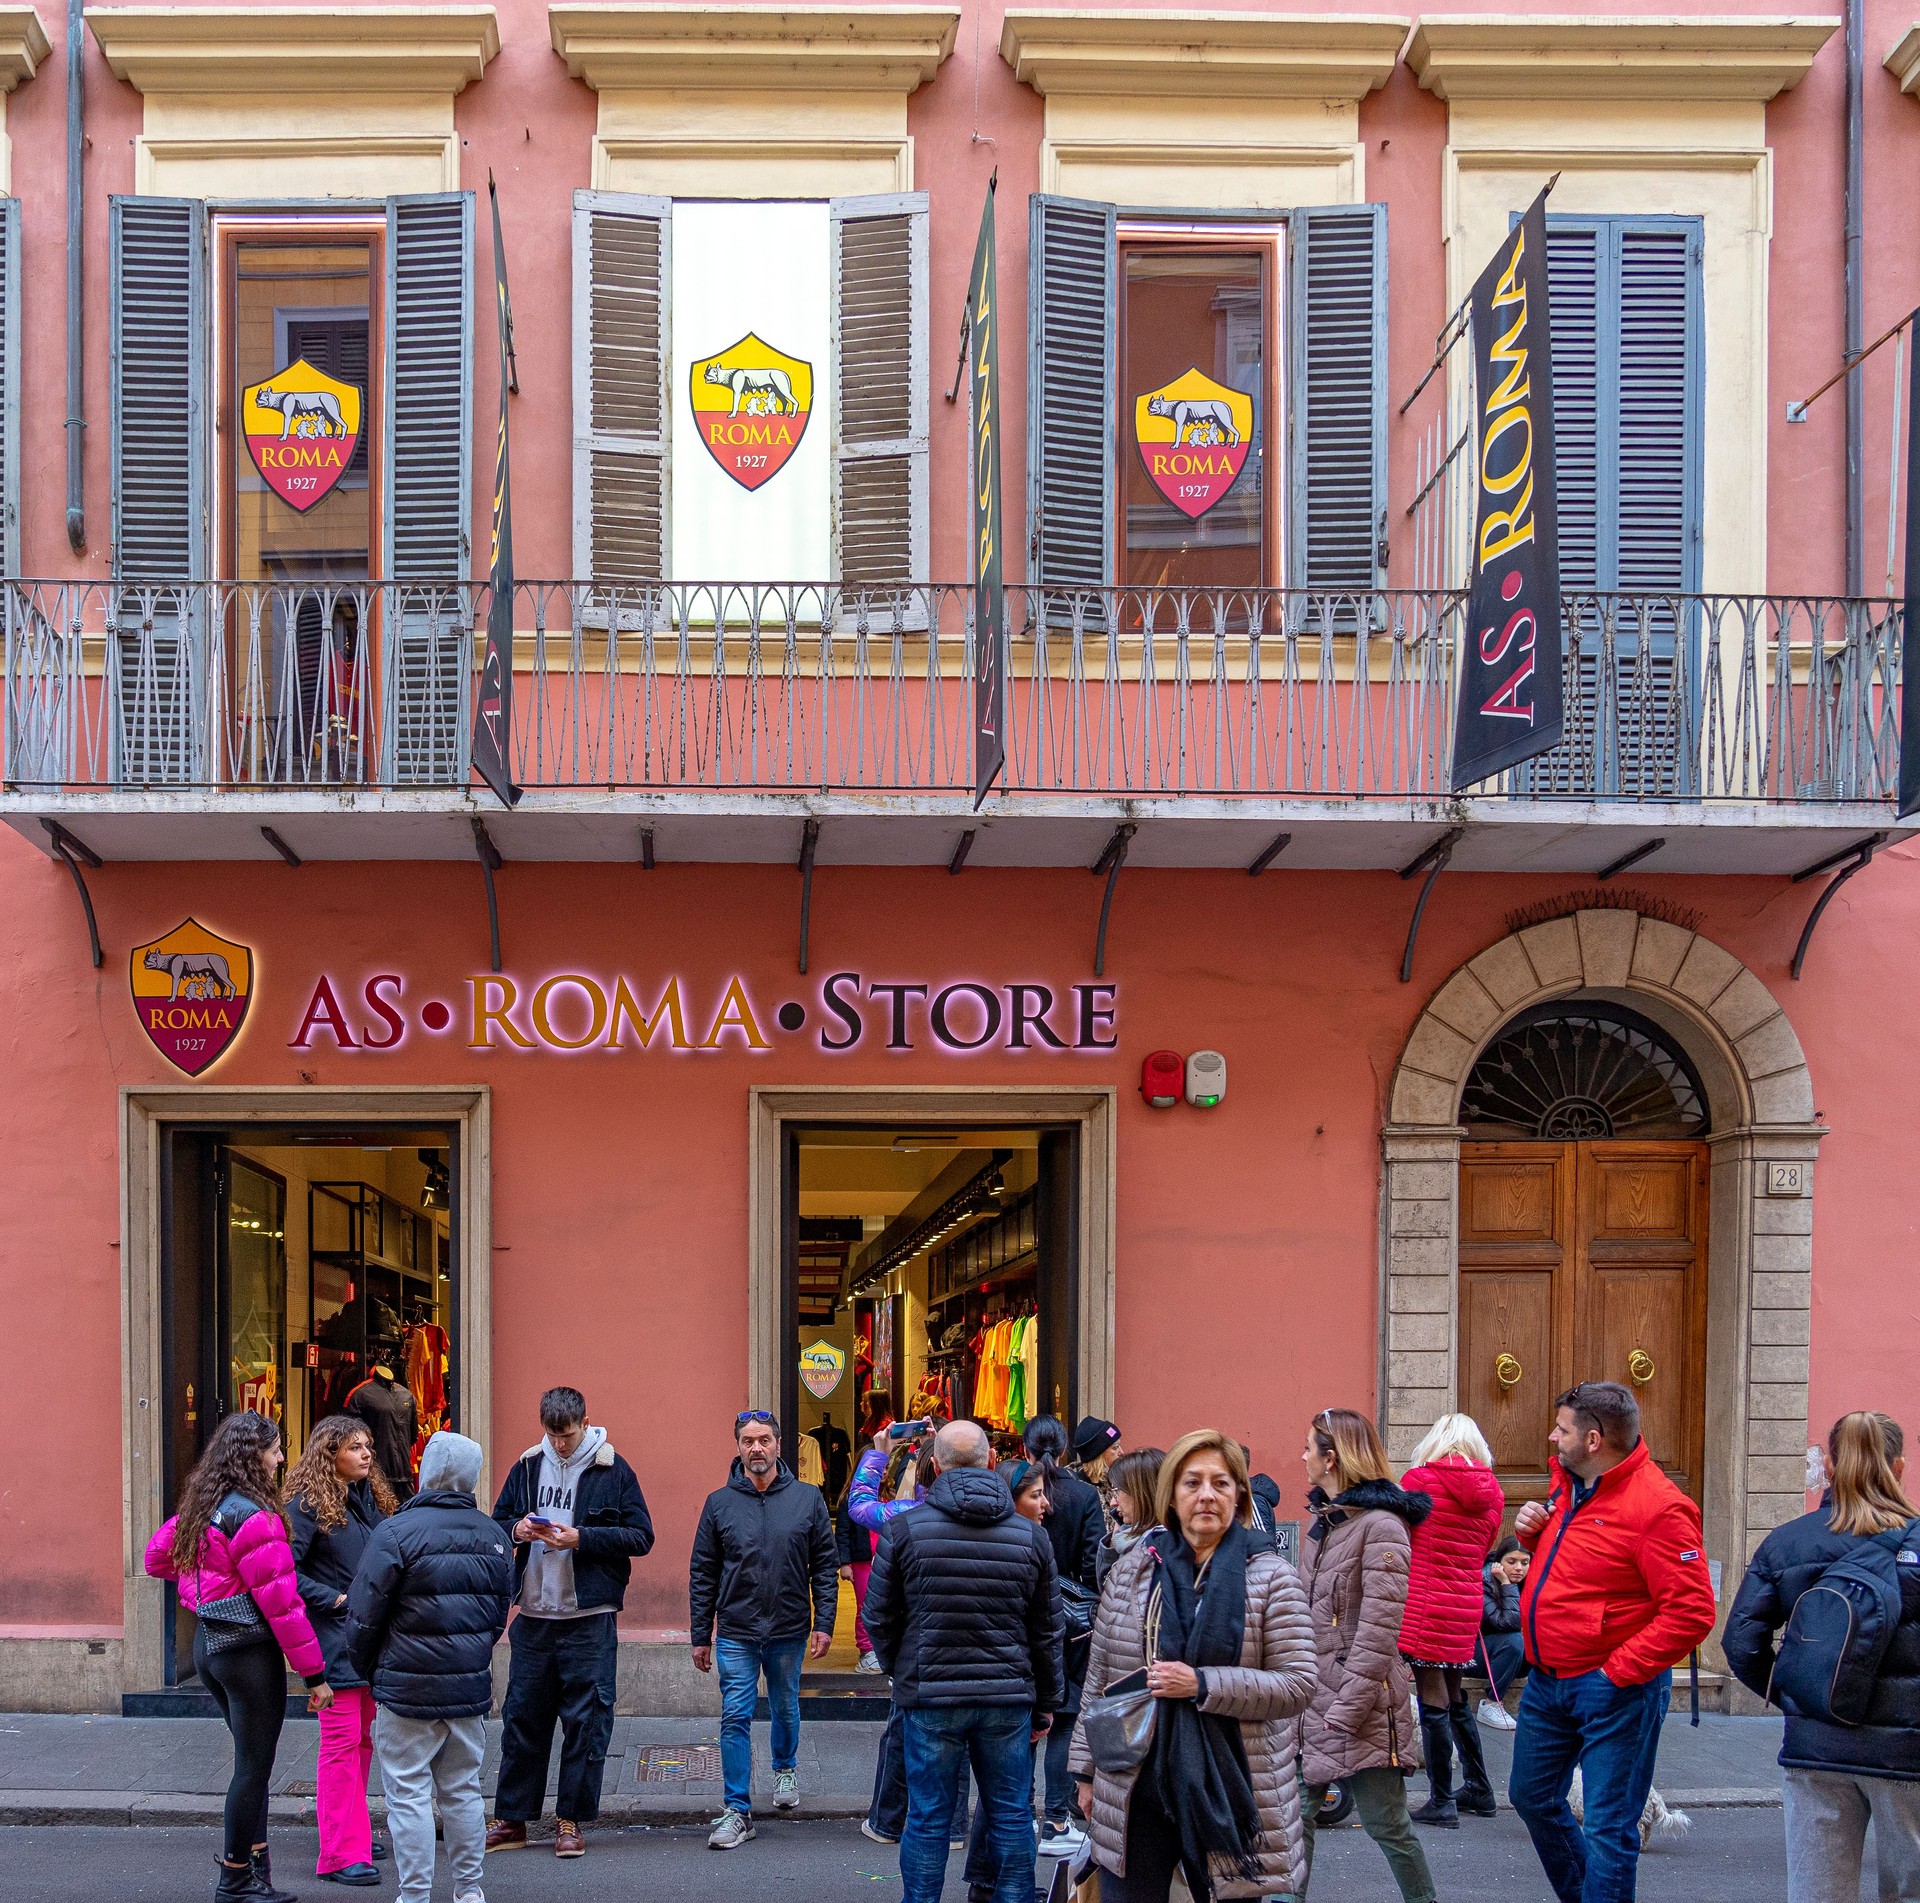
[[1155, 339]]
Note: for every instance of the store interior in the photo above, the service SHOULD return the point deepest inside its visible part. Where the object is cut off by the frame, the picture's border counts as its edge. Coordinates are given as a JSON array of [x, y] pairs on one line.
[[932, 1275]]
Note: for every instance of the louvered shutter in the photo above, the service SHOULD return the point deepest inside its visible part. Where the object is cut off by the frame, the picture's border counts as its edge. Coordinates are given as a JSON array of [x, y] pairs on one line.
[[1072, 303], [429, 487], [880, 376], [622, 418], [1337, 533], [159, 456]]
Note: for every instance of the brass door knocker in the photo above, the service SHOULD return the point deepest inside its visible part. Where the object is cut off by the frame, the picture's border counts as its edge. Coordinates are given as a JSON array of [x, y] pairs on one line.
[[1639, 1367], [1506, 1370]]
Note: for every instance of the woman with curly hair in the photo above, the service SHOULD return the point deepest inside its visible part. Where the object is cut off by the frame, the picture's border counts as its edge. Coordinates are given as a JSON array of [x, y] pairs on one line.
[[336, 1496], [227, 1550]]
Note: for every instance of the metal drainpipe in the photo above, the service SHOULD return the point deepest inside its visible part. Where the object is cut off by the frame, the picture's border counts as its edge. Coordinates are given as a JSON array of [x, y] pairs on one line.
[[1855, 299], [76, 268]]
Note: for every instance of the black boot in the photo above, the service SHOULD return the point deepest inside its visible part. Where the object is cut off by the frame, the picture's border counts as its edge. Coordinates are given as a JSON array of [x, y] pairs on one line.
[[261, 1869], [236, 1882], [1476, 1797], [1439, 1808]]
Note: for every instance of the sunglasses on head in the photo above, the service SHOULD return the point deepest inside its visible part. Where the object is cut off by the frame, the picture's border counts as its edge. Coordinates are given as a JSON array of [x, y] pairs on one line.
[[751, 1414]]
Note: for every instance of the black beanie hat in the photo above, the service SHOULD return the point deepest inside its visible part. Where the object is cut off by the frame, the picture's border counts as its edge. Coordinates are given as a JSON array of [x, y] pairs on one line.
[[1093, 1437]]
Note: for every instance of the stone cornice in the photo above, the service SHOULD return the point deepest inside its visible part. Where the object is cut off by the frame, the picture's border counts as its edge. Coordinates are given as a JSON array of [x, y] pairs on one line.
[[846, 49], [1241, 55], [23, 45], [1904, 61], [1622, 56], [296, 50]]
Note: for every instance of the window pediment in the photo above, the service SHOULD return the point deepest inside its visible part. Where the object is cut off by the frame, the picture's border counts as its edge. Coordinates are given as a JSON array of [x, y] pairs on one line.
[[23, 45], [1903, 62]]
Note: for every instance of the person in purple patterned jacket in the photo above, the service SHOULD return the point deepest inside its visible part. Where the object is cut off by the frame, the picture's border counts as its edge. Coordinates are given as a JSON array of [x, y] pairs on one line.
[[228, 1552]]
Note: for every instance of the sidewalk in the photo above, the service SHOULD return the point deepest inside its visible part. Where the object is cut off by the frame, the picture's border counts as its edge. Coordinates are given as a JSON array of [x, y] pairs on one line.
[[100, 1770]]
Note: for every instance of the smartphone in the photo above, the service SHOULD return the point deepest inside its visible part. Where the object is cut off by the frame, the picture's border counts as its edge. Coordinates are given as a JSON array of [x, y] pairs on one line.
[[539, 1519], [906, 1430]]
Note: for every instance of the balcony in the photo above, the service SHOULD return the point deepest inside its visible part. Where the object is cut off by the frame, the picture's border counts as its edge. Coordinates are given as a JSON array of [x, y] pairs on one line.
[[176, 721]]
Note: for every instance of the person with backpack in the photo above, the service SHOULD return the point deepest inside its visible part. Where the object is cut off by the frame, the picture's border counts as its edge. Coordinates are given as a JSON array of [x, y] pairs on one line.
[[1844, 1583]]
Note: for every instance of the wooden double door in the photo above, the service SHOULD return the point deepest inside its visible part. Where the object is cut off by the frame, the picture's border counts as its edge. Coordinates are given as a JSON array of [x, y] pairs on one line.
[[1583, 1262]]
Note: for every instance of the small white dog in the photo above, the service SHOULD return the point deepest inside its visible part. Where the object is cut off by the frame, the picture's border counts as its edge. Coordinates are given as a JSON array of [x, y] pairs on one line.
[[1658, 1823]]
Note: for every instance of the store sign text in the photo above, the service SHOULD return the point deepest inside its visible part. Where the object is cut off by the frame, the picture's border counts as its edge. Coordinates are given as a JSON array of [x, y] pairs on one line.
[[573, 1011]]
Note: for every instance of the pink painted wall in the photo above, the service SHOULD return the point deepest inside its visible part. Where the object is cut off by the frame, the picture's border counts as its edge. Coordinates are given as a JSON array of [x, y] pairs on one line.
[[1248, 1237]]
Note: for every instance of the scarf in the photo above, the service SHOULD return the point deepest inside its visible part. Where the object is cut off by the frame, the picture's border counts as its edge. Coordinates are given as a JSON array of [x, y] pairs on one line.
[[1200, 1762]]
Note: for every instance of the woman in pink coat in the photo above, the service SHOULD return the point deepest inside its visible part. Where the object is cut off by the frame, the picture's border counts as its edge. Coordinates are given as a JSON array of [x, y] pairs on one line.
[[1453, 1467], [228, 1550]]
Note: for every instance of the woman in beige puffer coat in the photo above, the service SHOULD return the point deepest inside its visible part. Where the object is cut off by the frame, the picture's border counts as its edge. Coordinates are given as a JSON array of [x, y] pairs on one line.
[[1132, 1841], [1360, 1729]]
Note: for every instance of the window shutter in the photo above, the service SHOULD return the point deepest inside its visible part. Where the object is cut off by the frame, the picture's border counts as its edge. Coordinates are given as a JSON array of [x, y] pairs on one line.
[[1573, 307], [429, 488], [622, 418], [1657, 426], [159, 460], [1072, 304], [10, 384], [1337, 535], [880, 379]]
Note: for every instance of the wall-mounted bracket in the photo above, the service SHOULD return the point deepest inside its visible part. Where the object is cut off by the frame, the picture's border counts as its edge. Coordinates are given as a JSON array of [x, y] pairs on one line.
[[1110, 861], [1633, 858], [1433, 862], [279, 845], [70, 851], [1858, 856], [1281, 841], [809, 841], [490, 863], [960, 852]]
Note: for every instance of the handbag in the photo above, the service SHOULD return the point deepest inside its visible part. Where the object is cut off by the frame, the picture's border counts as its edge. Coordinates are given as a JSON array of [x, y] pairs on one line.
[[1120, 1723], [1078, 1603], [226, 1624]]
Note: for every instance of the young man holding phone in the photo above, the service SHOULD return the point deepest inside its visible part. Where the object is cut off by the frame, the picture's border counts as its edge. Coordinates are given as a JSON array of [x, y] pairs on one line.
[[578, 1520]]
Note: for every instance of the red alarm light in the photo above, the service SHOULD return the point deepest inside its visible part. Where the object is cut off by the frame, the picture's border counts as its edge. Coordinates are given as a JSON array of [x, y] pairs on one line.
[[1163, 1079]]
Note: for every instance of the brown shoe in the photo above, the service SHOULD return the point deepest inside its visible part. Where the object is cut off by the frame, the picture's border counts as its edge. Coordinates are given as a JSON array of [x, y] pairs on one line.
[[504, 1836], [567, 1840]]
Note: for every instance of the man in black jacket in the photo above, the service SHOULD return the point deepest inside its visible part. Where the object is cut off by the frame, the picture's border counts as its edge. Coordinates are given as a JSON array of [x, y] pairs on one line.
[[765, 1574], [578, 1520], [426, 1608], [963, 1606]]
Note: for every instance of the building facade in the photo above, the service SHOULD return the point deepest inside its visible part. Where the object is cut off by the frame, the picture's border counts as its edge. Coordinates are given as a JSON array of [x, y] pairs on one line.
[[749, 1059]]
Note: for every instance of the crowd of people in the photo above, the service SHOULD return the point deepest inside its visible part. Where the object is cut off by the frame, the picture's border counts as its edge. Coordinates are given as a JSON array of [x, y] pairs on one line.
[[1127, 1626]]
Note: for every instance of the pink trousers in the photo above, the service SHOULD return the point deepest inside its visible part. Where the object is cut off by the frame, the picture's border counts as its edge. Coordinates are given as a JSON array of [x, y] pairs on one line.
[[340, 1784], [860, 1568]]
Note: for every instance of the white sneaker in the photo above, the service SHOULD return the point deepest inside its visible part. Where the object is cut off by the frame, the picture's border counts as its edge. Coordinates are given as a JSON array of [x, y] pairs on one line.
[[1062, 1840], [1497, 1717], [730, 1831], [786, 1789], [869, 1662], [471, 1896], [875, 1836]]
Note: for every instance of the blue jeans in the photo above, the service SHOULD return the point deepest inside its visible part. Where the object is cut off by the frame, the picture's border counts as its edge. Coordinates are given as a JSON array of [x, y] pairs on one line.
[[887, 1814], [740, 1665], [1612, 1732], [939, 1741]]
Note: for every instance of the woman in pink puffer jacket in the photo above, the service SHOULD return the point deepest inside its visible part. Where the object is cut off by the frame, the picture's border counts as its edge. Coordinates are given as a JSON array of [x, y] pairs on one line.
[[227, 1549]]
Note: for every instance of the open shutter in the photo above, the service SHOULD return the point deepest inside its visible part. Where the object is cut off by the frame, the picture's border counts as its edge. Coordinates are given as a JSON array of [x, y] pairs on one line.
[[429, 485], [1658, 425], [1072, 302], [622, 419], [158, 253], [1337, 533], [880, 377]]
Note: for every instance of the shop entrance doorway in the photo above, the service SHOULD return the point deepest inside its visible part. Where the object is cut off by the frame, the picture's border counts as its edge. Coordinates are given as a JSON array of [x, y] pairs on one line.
[[1583, 1258], [306, 1270]]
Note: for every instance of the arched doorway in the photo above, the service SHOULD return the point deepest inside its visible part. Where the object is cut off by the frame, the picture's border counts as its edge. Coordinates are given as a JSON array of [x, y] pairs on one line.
[[1583, 1232]]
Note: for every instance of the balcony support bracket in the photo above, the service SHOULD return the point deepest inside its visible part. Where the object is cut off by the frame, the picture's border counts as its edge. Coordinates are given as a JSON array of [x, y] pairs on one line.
[[809, 841], [1857, 858], [1281, 841], [1633, 858], [279, 845], [1109, 862], [960, 852], [70, 851], [490, 863], [646, 848], [1432, 862]]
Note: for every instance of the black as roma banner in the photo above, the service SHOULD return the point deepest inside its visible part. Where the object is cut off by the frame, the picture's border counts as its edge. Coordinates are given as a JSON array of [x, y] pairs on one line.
[[989, 591], [1510, 673], [493, 708]]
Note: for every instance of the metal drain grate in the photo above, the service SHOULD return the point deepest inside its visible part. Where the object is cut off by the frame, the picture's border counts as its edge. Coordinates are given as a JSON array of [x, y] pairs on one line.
[[678, 1763]]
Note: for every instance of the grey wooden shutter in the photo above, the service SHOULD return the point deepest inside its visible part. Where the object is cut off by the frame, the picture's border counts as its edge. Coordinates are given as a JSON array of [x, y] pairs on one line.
[[158, 374], [880, 380], [622, 415], [1337, 531], [1072, 304], [428, 439]]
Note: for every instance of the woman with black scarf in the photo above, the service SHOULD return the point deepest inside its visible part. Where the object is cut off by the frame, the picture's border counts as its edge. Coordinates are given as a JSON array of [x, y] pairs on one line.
[[1220, 1629]]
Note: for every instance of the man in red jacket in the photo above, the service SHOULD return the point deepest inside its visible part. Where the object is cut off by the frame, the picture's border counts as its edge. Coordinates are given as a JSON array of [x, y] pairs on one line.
[[1618, 1593]]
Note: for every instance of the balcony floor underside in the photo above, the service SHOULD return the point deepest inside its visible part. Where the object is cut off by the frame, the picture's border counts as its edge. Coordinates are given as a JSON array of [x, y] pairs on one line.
[[1556, 837]]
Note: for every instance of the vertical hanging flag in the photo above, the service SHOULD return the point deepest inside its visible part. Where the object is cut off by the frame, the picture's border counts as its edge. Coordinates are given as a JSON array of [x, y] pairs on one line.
[[981, 330], [1510, 664], [1910, 631], [493, 708]]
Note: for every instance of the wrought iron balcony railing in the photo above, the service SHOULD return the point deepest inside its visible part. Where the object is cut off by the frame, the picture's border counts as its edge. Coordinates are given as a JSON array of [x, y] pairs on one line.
[[1126, 693]]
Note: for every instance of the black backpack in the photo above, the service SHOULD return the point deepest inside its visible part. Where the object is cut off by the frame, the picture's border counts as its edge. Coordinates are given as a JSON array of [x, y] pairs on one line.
[[1840, 1628]]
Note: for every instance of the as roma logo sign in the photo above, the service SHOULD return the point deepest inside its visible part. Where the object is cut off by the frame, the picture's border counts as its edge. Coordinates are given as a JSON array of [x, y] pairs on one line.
[[750, 405], [191, 990], [1193, 435], [821, 1366], [302, 427]]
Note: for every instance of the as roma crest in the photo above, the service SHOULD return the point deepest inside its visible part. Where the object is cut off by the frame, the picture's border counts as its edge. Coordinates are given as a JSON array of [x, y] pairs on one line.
[[1193, 435], [750, 405], [191, 990], [821, 1366], [302, 427]]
